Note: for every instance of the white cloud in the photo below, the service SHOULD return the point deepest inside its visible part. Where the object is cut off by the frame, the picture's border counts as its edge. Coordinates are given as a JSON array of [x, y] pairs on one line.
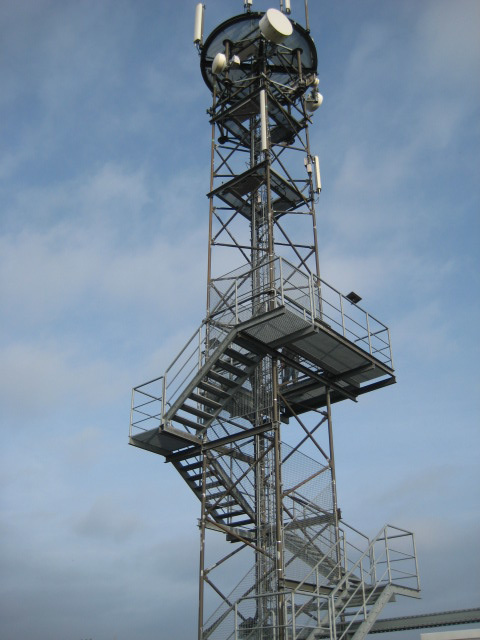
[[447, 40], [82, 257], [37, 381]]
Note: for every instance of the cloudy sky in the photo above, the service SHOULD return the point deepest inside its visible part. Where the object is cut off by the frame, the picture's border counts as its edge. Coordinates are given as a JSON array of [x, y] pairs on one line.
[[104, 162]]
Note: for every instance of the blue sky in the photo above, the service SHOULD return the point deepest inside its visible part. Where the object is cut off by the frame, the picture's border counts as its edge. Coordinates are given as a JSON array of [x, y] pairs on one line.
[[104, 163]]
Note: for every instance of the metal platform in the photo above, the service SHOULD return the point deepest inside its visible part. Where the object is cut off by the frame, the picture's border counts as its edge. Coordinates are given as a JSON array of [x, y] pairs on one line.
[[243, 34], [347, 356], [237, 193], [287, 120]]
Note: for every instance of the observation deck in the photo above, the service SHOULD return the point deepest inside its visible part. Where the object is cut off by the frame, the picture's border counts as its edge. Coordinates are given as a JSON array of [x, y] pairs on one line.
[[327, 342]]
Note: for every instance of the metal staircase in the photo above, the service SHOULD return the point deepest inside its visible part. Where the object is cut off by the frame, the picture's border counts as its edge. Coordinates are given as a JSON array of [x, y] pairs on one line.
[[348, 607], [206, 417]]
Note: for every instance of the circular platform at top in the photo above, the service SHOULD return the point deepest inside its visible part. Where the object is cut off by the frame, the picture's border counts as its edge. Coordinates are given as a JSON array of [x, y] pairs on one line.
[[243, 33]]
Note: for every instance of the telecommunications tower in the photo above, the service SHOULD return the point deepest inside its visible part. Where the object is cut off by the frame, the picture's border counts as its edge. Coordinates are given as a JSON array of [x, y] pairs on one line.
[[244, 412]]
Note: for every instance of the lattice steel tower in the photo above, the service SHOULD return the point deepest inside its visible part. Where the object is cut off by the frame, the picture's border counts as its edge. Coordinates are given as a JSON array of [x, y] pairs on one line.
[[277, 348]]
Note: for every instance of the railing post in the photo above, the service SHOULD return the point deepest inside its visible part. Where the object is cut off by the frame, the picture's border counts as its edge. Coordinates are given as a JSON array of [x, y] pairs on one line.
[[373, 564], [310, 287], [200, 348], [317, 584], [331, 617], [294, 622], [343, 315], [390, 349], [235, 620], [164, 393], [236, 301], [416, 561], [320, 300], [131, 414], [389, 569], [281, 282], [368, 333], [364, 604]]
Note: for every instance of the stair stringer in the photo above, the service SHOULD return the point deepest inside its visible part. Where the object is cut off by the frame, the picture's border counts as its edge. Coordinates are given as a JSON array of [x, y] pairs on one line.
[[227, 485], [207, 367], [386, 595]]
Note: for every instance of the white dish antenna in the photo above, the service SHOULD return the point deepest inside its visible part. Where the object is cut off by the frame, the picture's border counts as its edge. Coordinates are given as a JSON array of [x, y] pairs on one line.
[[313, 101], [219, 63], [275, 26]]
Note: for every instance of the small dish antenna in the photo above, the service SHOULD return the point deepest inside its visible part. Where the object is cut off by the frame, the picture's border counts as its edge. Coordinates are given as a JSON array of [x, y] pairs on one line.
[[313, 101], [219, 63]]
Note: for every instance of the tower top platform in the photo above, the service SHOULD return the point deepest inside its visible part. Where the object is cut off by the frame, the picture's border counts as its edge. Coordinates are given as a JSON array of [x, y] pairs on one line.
[[241, 36]]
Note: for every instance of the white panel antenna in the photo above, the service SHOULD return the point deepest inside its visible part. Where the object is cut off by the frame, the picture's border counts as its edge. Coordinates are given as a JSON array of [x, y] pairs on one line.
[[263, 121], [198, 28], [318, 180]]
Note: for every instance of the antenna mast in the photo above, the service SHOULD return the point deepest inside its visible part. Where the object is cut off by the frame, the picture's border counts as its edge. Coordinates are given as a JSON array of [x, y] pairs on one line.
[[244, 413]]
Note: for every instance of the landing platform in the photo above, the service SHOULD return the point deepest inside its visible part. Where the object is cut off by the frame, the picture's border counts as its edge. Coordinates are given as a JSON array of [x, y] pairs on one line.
[[320, 357], [325, 346]]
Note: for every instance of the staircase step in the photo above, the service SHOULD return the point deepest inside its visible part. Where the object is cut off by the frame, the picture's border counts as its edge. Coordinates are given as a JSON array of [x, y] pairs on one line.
[[199, 476], [240, 357], [223, 365], [205, 400], [216, 496], [211, 485], [214, 375], [240, 523], [221, 505], [187, 423], [213, 389], [192, 466], [232, 514], [197, 412]]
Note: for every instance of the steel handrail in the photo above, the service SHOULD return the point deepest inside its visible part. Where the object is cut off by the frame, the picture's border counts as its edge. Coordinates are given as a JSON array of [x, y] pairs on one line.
[[313, 290]]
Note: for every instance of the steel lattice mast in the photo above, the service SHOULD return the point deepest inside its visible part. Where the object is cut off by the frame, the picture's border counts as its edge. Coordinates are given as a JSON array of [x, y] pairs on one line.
[[258, 211], [277, 348]]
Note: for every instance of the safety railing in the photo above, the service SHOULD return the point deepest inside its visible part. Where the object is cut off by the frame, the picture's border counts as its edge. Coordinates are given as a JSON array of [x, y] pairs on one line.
[[242, 294], [147, 406], [152, 400], [390, 559]]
